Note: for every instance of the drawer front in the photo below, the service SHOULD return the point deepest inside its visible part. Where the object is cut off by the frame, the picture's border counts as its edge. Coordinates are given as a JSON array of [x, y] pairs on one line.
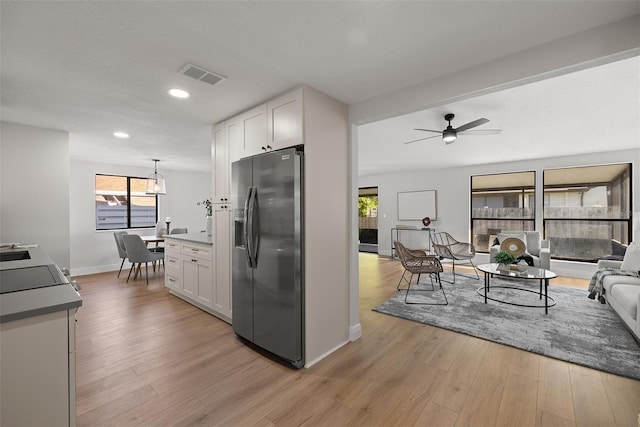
[[173, 264], [172, 281], [172, 247], [198, 251]]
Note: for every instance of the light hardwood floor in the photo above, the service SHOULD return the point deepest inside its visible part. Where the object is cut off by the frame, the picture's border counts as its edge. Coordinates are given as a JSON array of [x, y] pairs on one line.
[[144, 357]]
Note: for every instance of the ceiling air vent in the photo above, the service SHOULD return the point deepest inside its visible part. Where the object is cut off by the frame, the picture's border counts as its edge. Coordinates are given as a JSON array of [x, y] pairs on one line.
[[201, 74]]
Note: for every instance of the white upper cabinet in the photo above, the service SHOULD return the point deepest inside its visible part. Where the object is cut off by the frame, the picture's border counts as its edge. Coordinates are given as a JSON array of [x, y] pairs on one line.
[[284, 120], [271, 126], [234, 128], [254, 124], [221, 175]]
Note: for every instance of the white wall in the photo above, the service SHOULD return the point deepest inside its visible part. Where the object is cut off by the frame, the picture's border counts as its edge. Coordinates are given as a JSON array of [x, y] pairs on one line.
[[34, 188], [95, 251], [453, 200]]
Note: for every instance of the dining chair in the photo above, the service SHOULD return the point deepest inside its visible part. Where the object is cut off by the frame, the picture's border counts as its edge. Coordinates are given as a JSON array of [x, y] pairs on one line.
[[122, 251], [137, 252]]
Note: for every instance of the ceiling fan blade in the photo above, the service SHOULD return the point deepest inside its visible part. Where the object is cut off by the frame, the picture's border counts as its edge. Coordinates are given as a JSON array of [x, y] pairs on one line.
[[429, 130], [472, 124], [421, 139], [481, 132]]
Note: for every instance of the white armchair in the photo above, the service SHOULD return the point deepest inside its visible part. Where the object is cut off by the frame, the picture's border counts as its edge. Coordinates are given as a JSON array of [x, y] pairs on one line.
[[538, 248]]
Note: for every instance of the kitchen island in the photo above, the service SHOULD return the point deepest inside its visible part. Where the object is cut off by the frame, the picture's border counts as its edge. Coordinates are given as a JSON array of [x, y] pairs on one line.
[[190, 273], [37, 340]]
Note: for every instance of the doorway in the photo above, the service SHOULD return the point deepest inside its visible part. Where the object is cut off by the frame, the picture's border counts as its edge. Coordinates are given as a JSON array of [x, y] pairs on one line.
[[368, 219]]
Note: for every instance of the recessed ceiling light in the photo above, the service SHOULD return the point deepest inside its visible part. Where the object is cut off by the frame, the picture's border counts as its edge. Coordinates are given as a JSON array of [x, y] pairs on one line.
[[179, 93], [120, 134]]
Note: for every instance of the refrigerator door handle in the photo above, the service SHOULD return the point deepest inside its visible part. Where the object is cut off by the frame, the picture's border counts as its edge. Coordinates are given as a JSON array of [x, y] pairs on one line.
[[254, 232], [246, 231]]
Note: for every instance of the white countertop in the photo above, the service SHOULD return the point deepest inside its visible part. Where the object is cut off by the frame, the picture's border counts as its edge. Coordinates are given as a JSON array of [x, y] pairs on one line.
[[191, 237], [34, 302]]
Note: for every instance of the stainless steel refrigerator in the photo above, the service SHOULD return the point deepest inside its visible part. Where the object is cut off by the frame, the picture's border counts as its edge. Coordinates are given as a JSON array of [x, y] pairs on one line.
[[267, 257]]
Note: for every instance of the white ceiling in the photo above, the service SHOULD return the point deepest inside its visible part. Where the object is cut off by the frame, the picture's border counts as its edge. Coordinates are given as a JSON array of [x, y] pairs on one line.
[[589, 111], [91, 68]]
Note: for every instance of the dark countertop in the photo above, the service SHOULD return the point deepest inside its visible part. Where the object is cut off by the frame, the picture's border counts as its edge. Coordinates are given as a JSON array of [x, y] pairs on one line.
[[191, 237], [34, 302]]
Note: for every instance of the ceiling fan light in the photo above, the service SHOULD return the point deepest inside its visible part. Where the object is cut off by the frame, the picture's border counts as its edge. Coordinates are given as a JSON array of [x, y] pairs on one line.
[[449, 136]]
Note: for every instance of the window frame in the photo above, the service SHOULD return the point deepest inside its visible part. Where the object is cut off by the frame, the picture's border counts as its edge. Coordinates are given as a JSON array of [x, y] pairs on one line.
[[520, 188], [129, 197], [629, 198]]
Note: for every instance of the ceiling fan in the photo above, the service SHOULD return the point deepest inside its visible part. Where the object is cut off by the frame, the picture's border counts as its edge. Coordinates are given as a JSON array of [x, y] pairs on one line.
[[450, 134]]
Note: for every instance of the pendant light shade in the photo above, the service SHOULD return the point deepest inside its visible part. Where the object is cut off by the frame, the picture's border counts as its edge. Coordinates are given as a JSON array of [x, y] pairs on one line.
[[155, 181]]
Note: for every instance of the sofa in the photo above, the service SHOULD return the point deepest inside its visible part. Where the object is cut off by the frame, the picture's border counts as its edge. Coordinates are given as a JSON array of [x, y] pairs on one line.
[[622, 293], [535, 246]]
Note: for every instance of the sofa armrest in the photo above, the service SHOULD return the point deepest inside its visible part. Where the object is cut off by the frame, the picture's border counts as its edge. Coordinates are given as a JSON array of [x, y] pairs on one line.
[[609, 263], [545, 258]]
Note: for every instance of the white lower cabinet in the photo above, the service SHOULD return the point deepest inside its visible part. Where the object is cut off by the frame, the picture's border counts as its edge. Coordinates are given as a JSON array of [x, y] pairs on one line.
[[190, 273], [197, 277], [38, 370]]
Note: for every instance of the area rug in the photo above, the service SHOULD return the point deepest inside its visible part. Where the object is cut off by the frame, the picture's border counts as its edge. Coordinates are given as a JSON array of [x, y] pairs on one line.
[[577, 329]]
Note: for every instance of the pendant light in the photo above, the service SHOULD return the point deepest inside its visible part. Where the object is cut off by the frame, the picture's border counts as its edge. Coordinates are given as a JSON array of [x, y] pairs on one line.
[[155, 181]]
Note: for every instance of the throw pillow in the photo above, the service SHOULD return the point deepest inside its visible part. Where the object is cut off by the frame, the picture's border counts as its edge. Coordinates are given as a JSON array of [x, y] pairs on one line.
[[517, 234], [631, 261]]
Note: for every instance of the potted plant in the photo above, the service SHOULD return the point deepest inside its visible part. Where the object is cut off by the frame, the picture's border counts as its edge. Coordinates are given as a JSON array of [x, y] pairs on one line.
[[208, 215], [504, 259]]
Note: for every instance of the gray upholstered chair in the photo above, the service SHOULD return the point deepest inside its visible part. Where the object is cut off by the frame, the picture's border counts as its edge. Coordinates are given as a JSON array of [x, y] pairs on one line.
[[137, 252], [419, 262], [178, 231], [122, 251], [445, 246], [539, 249]]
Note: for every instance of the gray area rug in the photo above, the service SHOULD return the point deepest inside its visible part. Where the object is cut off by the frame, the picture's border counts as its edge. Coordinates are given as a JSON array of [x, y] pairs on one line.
[[577, 329]]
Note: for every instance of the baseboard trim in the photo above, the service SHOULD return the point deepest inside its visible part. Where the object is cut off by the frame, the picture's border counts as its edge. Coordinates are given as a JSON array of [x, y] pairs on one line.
[[355, 332], [310, 363], [83, 271]]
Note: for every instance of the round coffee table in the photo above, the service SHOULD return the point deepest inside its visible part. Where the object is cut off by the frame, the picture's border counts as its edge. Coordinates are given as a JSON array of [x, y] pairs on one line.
[[530, 273]]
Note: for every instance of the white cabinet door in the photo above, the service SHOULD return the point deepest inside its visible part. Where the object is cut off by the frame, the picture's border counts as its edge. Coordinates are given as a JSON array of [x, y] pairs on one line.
[[234, 130], [35, 371], [284, 120], [205, 289], [222, 235], [197, 273], [221, 174], [189, 275], [255, 131]]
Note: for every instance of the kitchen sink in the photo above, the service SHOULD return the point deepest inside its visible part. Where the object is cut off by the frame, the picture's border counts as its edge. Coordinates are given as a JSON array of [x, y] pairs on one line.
[[14, 256]]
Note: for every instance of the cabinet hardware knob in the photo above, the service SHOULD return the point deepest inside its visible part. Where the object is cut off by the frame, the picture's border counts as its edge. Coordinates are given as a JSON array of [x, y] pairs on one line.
[[269, 147]]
